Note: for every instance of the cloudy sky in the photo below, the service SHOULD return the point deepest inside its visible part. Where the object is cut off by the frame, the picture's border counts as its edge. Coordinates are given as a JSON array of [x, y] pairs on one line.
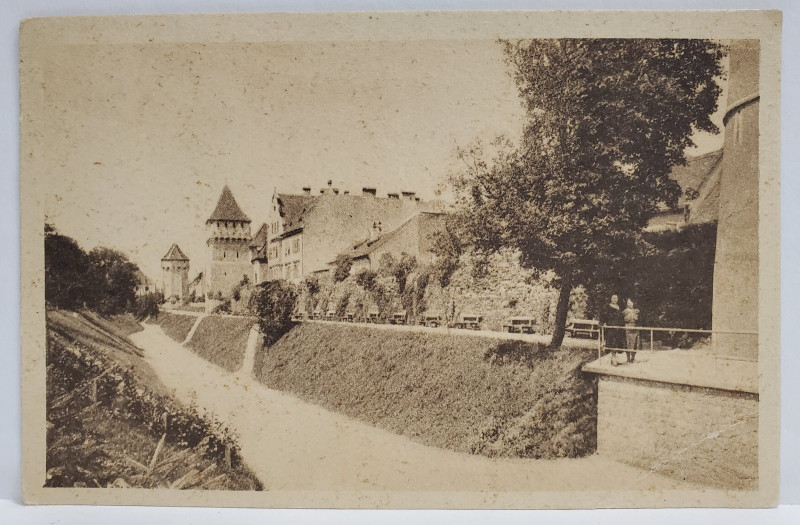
[[139, 139]]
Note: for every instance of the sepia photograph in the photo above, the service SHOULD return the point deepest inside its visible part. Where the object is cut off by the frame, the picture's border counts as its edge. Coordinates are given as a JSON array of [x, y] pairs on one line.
[[404, 260]]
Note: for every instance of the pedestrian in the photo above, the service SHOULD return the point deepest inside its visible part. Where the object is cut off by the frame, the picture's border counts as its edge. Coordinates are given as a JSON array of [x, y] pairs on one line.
[[615, 336], [631, 315]]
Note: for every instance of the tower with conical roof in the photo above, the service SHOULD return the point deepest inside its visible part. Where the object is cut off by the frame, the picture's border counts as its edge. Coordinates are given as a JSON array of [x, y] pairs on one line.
[[228, 253], [175, 275]]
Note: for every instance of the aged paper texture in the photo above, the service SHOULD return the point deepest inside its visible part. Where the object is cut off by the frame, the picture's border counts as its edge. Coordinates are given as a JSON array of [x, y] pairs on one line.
[[401, 260]]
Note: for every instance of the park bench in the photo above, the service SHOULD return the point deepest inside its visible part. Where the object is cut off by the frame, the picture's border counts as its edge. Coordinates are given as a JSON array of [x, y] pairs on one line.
[[398, 317], [330, 315], [522, 325], [470, 321], [298, 317], [349, 317], [432, 320], [583, 328], [373, 316]]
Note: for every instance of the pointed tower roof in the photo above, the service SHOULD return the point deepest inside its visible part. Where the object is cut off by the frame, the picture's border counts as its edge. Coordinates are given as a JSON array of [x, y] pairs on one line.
[[227, 209], [175, 254]]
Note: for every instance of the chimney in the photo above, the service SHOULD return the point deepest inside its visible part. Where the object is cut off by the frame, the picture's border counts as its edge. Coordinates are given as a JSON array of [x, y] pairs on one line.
[[409, 195], [369, 192], [375, 231], [393, 196], [307, 190]]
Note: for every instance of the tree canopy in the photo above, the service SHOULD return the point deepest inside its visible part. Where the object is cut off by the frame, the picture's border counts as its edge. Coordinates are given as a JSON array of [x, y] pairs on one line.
[[104, 279], [606, 121]]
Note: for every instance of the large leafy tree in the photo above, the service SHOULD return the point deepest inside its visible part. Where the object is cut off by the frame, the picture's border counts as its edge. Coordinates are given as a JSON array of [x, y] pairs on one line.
[[607, 119], [115, 285]]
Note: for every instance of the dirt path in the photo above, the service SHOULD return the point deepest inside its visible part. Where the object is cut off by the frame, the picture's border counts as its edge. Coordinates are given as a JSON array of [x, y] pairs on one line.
[[294, 445]]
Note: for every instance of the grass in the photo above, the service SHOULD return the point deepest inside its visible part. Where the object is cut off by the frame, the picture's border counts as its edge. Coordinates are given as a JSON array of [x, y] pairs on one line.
[[176, 326], [100, 440], [108, 338], [222, 340], [465, 393]]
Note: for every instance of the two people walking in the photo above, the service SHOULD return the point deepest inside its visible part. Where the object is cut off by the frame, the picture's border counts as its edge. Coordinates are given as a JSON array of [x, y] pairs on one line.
[[619, 338]]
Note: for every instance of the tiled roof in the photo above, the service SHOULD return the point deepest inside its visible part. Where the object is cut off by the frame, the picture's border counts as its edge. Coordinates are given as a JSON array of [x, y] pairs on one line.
[[260, 238], [423, 221], [175, 254], [227, 209], [259, 243], [694, 173], [294, 207]]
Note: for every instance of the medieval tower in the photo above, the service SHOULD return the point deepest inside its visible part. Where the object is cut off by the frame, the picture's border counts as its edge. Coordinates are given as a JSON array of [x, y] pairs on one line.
[[175, 274], [228, 254]]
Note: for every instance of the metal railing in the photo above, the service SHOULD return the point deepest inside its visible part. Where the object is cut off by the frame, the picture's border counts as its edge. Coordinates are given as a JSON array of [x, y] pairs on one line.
[[602, 348]]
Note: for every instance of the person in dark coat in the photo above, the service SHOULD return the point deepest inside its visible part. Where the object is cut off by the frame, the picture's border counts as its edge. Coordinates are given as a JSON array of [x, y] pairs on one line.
[[612, 316]]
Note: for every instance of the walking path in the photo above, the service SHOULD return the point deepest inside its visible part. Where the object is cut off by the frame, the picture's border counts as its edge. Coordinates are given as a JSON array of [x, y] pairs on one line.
[[294, 445], [542, 339]]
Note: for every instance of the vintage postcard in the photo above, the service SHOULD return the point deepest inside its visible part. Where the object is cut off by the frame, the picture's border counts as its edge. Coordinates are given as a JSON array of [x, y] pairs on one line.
[[401, 260]]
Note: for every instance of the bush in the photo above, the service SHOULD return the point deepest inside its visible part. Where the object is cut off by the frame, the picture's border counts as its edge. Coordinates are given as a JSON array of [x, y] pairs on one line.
[[366, 279], [342, 265], [147, 305], [273, 303]]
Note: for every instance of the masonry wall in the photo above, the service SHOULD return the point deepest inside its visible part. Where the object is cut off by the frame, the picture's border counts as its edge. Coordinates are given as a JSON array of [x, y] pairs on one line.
[[702, 435]]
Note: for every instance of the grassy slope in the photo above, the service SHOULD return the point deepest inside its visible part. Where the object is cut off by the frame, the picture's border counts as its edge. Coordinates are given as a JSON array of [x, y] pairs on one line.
[[465, 393], [176, 326], [88, 445], [222, 340], [108, 338]]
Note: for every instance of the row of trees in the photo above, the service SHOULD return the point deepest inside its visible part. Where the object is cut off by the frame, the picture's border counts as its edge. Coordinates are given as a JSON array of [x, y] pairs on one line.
[[102, 279]]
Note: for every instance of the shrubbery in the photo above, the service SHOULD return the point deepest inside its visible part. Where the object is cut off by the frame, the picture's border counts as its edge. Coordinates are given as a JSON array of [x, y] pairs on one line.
[[74, 367], [273, 303]]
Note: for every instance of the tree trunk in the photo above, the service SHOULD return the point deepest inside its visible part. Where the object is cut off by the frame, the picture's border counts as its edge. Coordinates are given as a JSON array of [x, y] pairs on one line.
[[562, 309]]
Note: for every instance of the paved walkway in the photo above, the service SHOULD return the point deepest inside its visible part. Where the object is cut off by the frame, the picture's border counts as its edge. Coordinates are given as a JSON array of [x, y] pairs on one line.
[[294, 445], [542, 339]]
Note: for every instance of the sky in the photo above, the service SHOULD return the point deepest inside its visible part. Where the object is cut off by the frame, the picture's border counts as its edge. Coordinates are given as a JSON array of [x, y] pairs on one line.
[[139, 139]]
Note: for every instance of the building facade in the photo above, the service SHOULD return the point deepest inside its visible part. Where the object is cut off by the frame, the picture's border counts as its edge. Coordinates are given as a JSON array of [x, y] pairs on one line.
[[417, 237], [306, 231], [228, 250], [175, 275]]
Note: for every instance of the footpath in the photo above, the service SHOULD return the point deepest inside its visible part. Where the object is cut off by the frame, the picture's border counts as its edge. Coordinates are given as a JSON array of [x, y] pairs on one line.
[[293, 445]]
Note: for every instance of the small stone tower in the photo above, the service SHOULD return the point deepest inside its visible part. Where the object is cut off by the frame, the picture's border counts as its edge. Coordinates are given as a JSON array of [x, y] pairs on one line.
[[228, 259], [175, 275]]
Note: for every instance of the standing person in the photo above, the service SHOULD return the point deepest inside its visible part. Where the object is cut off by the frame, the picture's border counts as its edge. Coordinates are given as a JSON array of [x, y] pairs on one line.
[[631, 316], [615, 338]]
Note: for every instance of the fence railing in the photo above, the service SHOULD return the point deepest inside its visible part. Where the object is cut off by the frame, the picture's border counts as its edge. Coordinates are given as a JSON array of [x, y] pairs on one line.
[[650, 345]]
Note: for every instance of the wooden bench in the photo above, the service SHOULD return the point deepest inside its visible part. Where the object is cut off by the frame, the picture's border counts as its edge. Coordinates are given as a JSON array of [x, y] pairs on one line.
[[583, 328], [522, 325], [432, 320], [469, 321], [398, 317], [330, 315], [349, 317], [373, 316]]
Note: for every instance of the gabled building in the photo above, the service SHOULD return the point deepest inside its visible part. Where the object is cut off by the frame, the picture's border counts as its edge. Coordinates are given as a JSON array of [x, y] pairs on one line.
[[258, 255], [228, 254], [307, 231], [416, 236], [699, 200]]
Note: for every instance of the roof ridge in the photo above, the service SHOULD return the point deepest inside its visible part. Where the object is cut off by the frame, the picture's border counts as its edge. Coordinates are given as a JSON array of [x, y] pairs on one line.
[[227, 208], [175, 254]]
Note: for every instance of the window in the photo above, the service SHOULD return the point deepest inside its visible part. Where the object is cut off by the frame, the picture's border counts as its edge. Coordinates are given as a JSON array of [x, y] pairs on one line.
[[296, 245]]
